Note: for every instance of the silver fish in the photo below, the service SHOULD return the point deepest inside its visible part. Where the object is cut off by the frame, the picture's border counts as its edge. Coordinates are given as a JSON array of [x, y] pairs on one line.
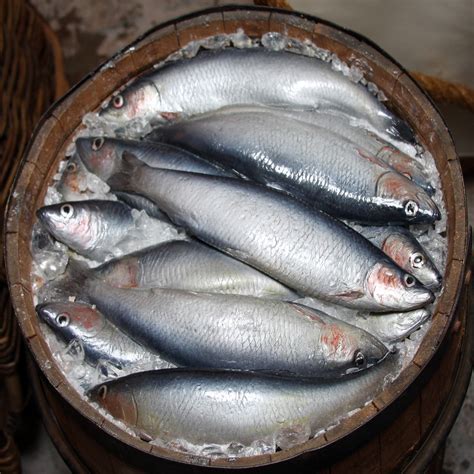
[[184, 265], [387, 327], [237, 332], [403, 248], [309, 162], [205, 407], [73, 183], [392, 327], [101, 341], [91, 228], [104, 155], [304, 249], [341, 124], [214, 79], [143, 204]]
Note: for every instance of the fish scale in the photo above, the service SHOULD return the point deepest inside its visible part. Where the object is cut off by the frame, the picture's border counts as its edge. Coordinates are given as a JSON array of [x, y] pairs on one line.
[[309, 162], [206, 407], [310, 248], [188, 265], [218, 78], [228, 331]]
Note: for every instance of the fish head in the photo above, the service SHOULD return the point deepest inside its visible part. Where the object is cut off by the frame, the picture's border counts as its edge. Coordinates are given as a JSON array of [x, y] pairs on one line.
[[408, 322], [71, 223], [140, 100], [119, 402], [412, 202], [410, 256], [74, 179], [100, 155], [349, 348], [407, 166], [391, 288], [71, 320]]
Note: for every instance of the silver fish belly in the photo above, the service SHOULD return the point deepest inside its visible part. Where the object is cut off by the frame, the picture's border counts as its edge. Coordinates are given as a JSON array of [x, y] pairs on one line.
[[316, 165], [192, 266], [214, 79], [238, 332], [341, 124], [304, 249], [225, 407]]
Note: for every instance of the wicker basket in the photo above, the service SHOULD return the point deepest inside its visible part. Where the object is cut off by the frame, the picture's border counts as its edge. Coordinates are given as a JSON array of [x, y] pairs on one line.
[[31, 78]]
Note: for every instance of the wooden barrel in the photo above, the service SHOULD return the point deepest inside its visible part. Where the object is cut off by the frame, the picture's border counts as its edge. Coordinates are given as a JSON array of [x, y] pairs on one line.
[[387, 434]]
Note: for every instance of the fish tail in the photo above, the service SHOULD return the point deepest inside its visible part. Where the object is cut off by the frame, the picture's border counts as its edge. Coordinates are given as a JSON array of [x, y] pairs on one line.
[[123, 178], [71, 284], [400, 130]]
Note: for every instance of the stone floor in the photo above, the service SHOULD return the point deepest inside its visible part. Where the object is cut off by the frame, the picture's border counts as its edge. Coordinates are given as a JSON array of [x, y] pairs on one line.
[[431, 36]]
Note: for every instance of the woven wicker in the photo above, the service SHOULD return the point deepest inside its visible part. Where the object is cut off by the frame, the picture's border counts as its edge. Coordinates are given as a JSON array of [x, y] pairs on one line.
[[31, 78]]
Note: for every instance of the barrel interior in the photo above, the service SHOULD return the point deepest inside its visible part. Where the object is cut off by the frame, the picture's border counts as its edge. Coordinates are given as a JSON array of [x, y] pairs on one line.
[[63, 121]]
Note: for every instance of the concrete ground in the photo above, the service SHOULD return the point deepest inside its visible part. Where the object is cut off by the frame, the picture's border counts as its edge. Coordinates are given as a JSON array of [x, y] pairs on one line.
[[431, 36]]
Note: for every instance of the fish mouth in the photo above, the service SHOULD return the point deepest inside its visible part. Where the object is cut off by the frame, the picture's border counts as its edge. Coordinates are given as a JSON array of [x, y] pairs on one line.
[[432, 279], [419, 297], [373, 361], [428, 211], [43, 312], [45, 217], [417, 323]]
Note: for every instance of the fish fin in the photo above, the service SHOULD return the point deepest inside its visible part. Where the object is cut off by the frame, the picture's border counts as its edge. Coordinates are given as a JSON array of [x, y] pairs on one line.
[[351, 295], [170, 116], [123, 179]]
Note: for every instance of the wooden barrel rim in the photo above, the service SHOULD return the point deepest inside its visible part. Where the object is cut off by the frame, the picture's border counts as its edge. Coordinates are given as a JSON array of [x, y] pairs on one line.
[[63, 120]]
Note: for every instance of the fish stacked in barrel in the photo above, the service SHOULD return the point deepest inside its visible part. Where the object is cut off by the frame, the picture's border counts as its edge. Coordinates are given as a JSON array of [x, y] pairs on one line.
[[282, 206]]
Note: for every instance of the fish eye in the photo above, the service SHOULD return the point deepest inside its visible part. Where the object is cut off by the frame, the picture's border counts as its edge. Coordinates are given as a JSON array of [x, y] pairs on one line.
[[118, 101], [62, 319], [411, 208], [71, 166], [97, 143], [67, 211], [417, 260], [409, 281], [102, 391], [359, 359]]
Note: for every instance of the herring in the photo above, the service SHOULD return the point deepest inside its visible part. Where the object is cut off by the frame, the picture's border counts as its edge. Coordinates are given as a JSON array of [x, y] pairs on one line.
[[91, 228], [392, 327], [237, 332], [403, 248], [188, 265], [248, 76], [205, 407], [102, 342], [105, 153], [342, 125], [307, 161], [304, 249]]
